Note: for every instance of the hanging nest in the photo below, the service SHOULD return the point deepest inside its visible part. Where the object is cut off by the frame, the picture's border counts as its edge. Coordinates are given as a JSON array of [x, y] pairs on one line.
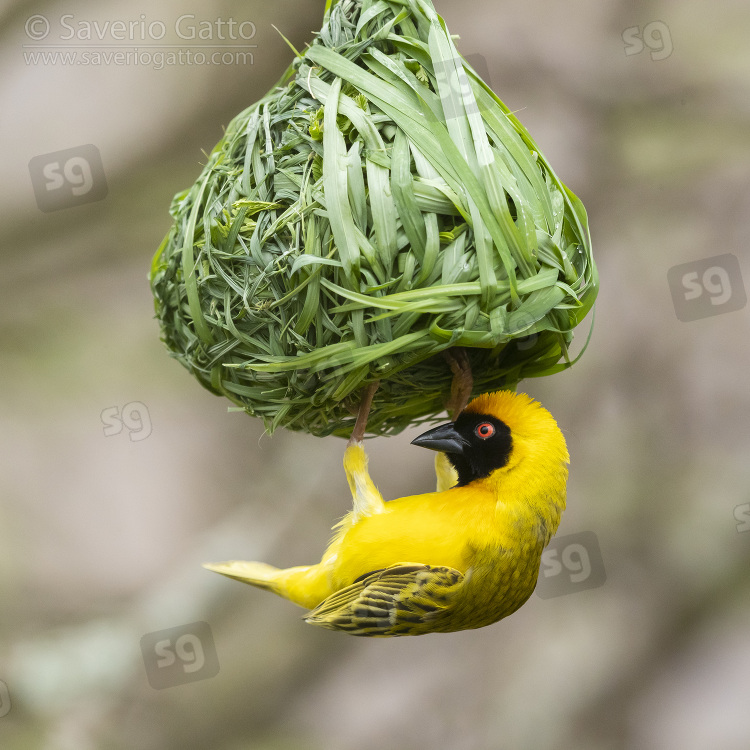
[[379, 206]]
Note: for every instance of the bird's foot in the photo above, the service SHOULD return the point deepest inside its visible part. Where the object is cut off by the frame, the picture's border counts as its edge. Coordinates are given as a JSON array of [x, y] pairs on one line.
[[463, 380], [363, 412]]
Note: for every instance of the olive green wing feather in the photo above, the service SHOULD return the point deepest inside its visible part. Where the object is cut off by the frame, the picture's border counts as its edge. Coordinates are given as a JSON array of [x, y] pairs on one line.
[[404, 599]]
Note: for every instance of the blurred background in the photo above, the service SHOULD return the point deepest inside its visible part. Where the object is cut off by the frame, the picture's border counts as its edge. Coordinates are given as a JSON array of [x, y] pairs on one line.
[[120, 474]]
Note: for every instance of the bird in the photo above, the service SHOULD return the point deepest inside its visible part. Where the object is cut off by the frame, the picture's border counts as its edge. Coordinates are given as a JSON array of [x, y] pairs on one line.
[[459, 558]]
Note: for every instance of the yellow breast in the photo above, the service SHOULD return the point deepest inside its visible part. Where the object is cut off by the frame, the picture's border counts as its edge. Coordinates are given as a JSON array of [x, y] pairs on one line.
[[442, 528]]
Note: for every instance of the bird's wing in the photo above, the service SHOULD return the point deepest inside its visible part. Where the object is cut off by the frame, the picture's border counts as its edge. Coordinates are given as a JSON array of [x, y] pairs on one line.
[[403, 599]]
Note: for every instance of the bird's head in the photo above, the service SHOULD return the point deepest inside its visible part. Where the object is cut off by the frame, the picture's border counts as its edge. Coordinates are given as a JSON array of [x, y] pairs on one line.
[[495, 433]]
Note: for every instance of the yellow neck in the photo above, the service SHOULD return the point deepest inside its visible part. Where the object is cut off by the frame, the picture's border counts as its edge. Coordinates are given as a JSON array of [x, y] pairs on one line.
[[530, 489]]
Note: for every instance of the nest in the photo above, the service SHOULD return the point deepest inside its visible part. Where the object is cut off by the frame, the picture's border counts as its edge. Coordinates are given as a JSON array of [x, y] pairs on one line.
[[379, 206]]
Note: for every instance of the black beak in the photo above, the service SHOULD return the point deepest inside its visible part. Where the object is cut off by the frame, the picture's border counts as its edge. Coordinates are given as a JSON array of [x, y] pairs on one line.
[[442, 438]]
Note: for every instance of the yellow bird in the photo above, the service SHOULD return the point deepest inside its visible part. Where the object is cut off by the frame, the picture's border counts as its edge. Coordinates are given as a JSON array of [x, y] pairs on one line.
[[459, 558]]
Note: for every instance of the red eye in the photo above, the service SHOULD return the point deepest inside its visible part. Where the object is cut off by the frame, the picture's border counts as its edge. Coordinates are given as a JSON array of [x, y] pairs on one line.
[[485, 430]]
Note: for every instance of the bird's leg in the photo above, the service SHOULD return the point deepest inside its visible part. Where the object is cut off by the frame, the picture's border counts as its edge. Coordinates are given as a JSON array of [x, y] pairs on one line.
[[363, 412], [461, 388], [365, 497], [463, 381]]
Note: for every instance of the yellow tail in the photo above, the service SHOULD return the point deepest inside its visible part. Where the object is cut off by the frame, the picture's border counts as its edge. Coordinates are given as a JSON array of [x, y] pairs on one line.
[[255, 573], [306, 585]]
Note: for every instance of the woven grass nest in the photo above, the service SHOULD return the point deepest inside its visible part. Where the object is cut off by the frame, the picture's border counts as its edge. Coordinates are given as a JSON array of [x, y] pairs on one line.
[[379, 206]]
